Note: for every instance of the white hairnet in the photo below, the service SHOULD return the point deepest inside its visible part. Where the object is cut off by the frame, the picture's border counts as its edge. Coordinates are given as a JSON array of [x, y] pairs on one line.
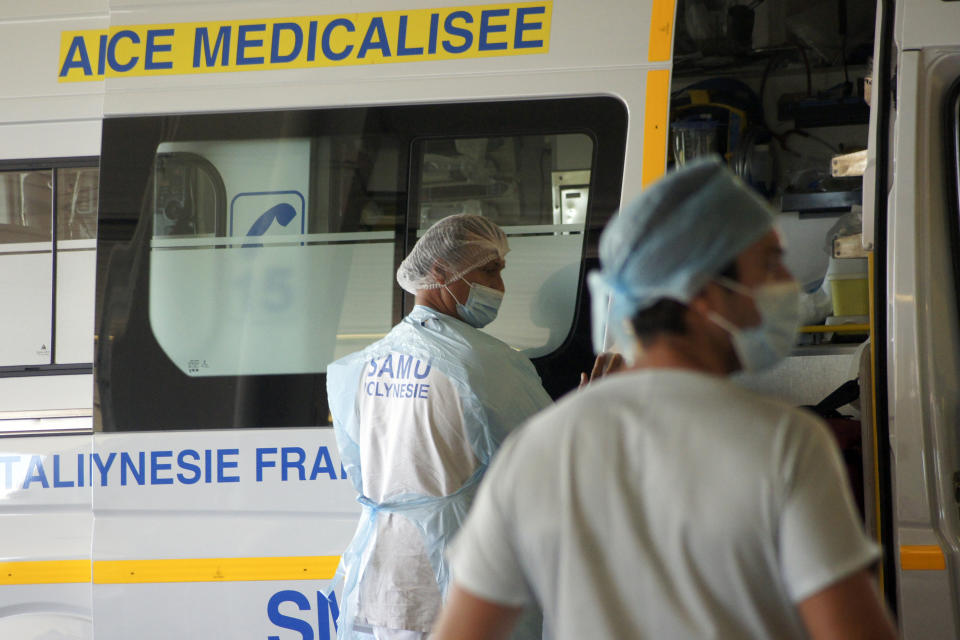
[[450, 248], [672, 240]]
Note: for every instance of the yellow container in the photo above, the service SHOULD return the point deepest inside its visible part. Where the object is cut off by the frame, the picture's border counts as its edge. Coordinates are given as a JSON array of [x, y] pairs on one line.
[[850, 294]]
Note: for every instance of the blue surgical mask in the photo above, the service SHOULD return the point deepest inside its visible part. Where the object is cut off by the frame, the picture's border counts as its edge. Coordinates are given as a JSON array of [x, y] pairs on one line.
[[481, 307], [766, 344]]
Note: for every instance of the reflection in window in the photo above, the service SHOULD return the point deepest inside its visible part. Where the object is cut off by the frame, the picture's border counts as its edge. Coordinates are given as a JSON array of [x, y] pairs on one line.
[[77, 190], [537, 188], [188, 195], [25, 210]]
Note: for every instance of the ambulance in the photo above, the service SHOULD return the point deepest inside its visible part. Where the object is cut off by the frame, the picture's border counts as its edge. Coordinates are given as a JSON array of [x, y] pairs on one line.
[[203, 204]]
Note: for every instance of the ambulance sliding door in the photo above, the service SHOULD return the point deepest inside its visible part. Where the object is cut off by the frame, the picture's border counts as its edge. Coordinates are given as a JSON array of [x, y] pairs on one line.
[[47, 240]]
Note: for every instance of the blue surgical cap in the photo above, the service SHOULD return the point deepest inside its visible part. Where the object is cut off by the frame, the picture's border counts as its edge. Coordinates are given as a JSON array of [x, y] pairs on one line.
[[672, 240]]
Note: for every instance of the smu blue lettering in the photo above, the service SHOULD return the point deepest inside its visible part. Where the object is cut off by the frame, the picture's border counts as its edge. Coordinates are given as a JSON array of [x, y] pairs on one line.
[[393, 367], [328, 610]]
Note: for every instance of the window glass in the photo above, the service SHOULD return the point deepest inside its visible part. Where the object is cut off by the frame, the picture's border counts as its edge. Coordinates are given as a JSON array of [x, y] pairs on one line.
[[26, 269], [265, 256], [77, 203], [77, 195], [536, 187]]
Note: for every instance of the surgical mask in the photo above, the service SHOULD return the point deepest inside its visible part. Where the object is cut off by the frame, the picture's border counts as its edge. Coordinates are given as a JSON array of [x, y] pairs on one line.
[[769, 342], [481, 307]]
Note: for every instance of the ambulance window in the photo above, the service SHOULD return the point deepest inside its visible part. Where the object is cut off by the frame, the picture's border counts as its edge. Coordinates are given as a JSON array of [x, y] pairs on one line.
[[536, 187], [48, 224], [26, 268], [241, 253]]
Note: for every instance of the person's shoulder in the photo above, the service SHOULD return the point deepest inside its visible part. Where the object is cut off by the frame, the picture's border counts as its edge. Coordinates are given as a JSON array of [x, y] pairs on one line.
[[791, 428], [691, 395], [476, 351], [761, 405]]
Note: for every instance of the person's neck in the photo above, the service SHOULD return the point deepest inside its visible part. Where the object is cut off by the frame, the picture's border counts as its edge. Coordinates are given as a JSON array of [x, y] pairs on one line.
[[432, 299], [682, 352]]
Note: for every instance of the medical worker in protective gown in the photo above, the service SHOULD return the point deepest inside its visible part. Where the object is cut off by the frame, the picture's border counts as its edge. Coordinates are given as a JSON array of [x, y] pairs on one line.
[[418, 416]]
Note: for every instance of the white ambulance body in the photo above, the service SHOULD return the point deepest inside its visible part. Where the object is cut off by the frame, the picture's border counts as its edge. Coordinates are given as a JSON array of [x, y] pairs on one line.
[[235, 184]]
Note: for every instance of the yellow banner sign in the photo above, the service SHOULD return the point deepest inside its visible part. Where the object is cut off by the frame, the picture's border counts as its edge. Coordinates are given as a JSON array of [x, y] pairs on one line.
[[311, 41]]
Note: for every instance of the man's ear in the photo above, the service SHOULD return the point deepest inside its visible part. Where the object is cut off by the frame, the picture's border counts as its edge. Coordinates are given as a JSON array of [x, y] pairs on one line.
[[706, 299], [699, 305], [437, 274]]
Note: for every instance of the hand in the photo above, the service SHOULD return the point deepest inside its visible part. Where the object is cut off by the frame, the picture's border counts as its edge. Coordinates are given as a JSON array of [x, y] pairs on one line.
[[606, 363]]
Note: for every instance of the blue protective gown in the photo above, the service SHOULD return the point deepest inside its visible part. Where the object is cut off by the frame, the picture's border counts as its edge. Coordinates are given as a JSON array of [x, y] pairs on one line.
[[447, 383]]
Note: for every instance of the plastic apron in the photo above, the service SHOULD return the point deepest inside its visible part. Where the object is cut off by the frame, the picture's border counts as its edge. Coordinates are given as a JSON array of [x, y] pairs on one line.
[[498, 389]]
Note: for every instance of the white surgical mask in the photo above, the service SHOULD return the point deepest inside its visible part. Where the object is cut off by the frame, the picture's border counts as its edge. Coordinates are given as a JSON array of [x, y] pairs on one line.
[[482, 304], [769, 342]]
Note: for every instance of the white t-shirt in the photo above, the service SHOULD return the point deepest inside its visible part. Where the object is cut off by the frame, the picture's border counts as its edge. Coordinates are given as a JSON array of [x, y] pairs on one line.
[[664, 504]]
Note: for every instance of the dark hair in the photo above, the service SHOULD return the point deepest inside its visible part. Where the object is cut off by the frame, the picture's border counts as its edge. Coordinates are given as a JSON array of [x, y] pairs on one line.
[[667, 316]]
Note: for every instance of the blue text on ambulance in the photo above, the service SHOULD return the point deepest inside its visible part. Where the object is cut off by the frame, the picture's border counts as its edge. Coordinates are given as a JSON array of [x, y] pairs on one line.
[[304, 42]]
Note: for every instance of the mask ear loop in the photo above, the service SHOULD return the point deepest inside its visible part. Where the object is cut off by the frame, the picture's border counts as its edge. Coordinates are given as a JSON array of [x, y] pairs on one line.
[[453, 296], [733, 285], [722, 322]]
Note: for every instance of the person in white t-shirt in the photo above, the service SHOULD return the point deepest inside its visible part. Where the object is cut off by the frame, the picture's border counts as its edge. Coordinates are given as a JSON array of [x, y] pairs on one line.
[[666, 502], [418, 416]]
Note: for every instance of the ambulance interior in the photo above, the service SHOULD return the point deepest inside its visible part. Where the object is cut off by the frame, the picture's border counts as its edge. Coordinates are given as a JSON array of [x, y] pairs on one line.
[[780, 88]]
